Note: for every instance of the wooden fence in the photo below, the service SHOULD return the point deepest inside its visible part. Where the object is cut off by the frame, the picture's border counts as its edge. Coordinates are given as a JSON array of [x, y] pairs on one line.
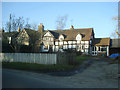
[[40, 58]]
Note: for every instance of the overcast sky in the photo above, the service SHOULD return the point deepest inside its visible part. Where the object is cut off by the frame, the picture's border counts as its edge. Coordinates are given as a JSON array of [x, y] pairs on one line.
[[96, 15]]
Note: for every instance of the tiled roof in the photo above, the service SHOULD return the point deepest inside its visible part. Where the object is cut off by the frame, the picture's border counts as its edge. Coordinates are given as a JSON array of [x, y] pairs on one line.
[[101, 41], [71, 34]]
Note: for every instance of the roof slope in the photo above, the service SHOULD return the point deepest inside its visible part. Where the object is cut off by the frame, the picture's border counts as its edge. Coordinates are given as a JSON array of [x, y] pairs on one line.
[[71, 34], [115, 43], [101, 41]]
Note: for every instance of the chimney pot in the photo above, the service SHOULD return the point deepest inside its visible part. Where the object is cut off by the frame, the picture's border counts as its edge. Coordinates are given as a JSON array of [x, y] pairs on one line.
[[18, 29], [72, 27]]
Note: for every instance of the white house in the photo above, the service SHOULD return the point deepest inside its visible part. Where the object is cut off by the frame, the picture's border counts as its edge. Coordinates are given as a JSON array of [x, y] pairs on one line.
[[77, 39]]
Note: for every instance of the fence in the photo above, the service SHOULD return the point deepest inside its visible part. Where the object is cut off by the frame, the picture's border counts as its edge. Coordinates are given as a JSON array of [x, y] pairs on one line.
[[40, 58]]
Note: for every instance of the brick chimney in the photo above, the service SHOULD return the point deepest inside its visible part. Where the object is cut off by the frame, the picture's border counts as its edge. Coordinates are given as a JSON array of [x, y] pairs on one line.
[[18, 29], [72, 27], [41, 28]]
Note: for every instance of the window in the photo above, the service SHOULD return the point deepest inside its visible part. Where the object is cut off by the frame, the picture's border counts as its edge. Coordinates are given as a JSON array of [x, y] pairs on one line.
[[56, 43], [65, 47], [86, 46], [95, 48], [103, 48], [92, 48], [99, 49], [65, 42], [86, 42], [86, 50], [74, 46], [82, 42], [90, 41], [70, 46], [60, 43], [51, 39], [69, 42], [78, 42], [61, 38], [74, 42], [83, 47], [46, 47]]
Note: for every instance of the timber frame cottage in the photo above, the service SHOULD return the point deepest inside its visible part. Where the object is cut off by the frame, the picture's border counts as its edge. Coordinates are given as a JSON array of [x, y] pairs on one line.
[[82, 40]]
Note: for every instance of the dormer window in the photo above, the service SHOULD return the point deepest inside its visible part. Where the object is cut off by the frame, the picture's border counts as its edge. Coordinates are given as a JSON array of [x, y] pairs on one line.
[[78, 37], [61, 37]]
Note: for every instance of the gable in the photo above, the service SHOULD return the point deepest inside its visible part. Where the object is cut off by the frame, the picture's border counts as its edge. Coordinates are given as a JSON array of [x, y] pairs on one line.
[[61, 37], [48, 34], [78, 37], [23, 34]]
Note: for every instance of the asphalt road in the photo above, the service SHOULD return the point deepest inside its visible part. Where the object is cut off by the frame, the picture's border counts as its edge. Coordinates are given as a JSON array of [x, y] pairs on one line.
[[99, 74], [23, 79]]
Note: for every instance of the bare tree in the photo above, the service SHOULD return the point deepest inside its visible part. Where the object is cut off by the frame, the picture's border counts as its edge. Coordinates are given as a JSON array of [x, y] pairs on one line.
[[7, 26], [116, 32], [20, 22], [27, 24], [34, 26], [61, 22], [14, 23]]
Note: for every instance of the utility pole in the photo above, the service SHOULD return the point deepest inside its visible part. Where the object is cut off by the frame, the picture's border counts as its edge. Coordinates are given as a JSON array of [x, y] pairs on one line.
[[10, 23]]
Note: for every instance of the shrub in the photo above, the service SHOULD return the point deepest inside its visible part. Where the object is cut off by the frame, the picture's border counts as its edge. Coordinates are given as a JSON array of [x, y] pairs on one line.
[[78, 53]]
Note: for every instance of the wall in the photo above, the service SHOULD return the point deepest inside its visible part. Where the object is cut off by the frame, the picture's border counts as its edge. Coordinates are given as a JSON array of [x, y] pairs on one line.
[[40, 58]]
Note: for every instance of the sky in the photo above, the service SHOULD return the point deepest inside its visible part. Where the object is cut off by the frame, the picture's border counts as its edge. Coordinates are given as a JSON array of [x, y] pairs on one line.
[[96, 15]]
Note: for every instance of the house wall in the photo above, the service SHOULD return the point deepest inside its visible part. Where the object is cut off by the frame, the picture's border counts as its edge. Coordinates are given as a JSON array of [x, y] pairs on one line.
[[82, 46]]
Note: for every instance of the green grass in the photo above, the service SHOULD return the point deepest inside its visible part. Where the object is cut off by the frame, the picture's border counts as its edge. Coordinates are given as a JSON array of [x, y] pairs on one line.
[[36, 67], [82, 58], [42, 67]]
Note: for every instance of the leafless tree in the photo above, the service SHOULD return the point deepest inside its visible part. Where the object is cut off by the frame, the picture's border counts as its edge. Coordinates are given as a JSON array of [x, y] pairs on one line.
[[116, 32], [61, 22], [34, 26], [27, 24], [20, 22], [14, 23]]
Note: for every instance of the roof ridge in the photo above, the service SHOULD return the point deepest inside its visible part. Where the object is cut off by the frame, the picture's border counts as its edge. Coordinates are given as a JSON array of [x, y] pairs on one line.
[[73, 29]]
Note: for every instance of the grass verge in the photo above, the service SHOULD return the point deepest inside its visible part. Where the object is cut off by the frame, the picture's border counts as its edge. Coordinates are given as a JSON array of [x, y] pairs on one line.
[[80, 59], [36, 67]]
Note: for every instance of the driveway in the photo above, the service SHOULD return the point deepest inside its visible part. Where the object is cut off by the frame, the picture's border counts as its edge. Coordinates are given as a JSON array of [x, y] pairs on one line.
[[100, 74]]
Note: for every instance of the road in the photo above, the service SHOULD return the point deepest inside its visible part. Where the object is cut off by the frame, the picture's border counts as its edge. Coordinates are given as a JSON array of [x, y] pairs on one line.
[[23, 79], [100, 74]]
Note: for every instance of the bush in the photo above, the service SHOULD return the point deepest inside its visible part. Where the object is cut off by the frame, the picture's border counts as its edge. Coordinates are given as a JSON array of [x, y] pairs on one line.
[[25, 49], [70, 50], [78, 53]]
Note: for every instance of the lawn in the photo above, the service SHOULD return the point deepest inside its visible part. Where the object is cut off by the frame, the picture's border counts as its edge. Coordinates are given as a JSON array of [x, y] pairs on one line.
[[43, 67], [82, 58], [36, 67]]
